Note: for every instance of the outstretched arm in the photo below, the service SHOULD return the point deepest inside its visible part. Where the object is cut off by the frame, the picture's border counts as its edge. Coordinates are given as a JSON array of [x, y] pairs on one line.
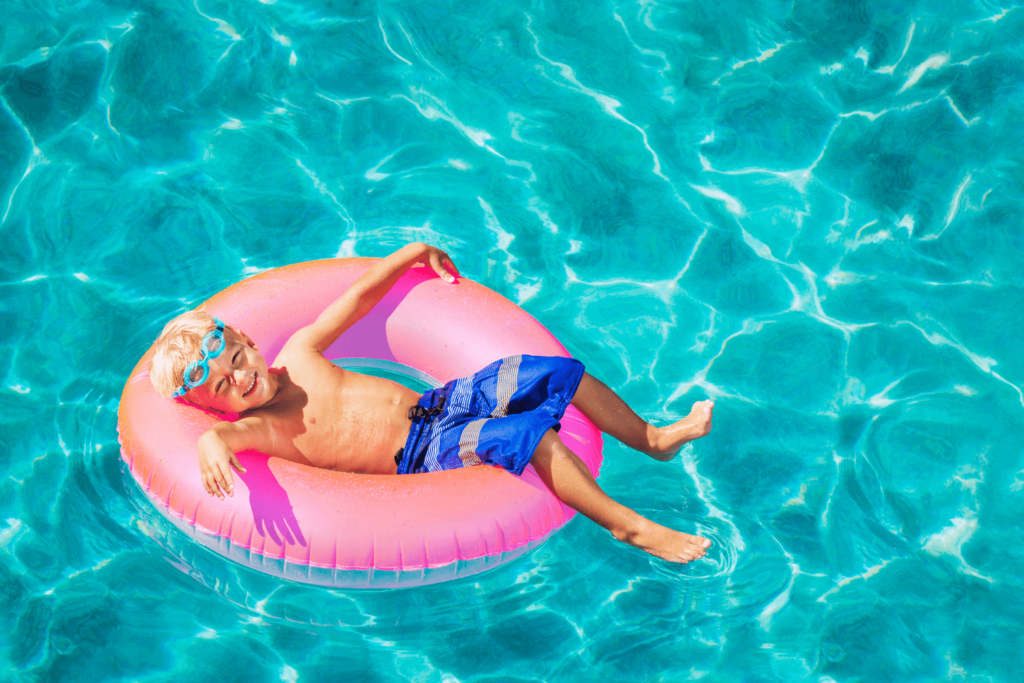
[[368, 290], [217, 448]]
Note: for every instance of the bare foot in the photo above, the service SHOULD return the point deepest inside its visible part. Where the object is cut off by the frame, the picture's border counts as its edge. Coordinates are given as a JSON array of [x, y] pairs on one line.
[[665, 543], [668, 440]]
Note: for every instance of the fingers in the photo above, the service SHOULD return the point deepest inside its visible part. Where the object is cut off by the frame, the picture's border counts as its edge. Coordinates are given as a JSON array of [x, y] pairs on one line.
[[237, 465], [440, 262], [210, 484], [450, 265], [219, 479], [207, 483], [225, 480]]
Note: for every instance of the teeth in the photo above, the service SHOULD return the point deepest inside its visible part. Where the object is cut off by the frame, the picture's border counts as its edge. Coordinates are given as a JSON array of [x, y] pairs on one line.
[[251, 384]]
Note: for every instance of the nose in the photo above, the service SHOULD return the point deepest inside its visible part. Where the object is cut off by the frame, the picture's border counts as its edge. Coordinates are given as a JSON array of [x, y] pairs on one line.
[[241, 376]]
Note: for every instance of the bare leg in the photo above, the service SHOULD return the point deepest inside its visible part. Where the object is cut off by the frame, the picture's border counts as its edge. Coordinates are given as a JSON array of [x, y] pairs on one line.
[[611, 415], [571, 481]]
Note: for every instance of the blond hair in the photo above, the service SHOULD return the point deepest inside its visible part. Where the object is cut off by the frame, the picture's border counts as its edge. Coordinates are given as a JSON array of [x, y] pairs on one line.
[[177, 346]]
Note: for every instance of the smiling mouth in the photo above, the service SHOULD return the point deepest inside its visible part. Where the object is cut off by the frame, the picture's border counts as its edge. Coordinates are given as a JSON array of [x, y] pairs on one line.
[[252, 385]]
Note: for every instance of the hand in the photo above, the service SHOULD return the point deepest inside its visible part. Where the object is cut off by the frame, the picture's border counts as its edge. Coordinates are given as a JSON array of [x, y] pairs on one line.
[[440, 261], [215, 463]]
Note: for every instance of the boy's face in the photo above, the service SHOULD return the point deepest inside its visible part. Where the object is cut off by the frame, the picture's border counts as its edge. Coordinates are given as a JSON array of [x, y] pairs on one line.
[[238, 379]]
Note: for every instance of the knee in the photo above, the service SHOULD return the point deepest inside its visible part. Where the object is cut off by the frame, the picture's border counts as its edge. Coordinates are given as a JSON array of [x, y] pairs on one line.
[[551, 451], [549, 445]]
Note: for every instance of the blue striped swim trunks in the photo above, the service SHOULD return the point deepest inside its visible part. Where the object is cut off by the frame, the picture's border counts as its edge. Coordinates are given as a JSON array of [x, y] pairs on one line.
[[496, 417]]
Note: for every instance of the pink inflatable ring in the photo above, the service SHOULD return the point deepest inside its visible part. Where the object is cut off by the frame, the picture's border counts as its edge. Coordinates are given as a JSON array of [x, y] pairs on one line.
[[338, 528]]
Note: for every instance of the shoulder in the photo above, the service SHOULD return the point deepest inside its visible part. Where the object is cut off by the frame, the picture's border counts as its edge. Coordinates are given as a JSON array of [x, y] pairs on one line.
[[301, 370], [299, 348]]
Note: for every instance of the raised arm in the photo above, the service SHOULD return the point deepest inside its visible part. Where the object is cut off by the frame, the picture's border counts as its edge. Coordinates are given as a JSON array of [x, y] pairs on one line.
[[368, 290]]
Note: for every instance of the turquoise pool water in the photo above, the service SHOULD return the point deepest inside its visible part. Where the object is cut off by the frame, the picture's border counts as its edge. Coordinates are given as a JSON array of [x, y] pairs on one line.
[[809, 212]]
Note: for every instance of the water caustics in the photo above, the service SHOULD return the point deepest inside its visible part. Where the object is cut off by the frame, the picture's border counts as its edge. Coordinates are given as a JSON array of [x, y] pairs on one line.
[[809, 215]]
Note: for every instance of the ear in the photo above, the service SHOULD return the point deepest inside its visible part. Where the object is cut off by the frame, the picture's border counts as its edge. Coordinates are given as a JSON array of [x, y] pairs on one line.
[[245, 339]]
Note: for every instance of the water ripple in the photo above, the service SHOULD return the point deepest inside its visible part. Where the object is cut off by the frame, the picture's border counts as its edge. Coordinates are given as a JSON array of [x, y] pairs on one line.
[[808, 213]]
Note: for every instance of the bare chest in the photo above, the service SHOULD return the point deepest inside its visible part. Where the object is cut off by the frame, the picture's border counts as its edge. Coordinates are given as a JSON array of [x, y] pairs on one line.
[[345, 421]]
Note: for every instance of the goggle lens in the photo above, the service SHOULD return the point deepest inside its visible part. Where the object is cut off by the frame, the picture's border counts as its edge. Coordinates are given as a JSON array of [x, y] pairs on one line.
[[213, 343], [197, 376], [197, 371]]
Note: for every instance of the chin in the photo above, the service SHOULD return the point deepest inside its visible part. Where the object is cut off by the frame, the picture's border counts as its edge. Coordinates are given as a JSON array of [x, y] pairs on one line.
[[259, 402]]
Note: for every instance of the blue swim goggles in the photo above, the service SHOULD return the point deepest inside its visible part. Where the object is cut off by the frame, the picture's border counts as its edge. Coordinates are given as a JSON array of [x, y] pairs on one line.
[[197, 371]]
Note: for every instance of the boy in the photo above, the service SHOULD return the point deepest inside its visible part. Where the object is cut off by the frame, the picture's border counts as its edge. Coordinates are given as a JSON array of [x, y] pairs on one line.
[[308, 410]]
